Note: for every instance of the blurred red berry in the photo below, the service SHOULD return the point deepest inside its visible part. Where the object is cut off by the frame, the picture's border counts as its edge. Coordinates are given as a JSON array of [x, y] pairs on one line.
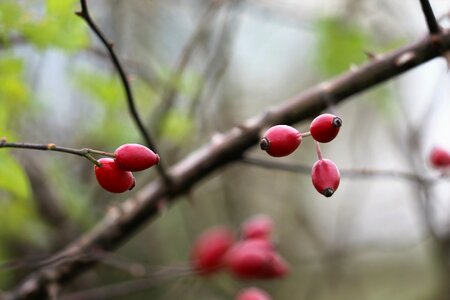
[[135, 157], [113, 179], [253, 294], [280, 140], [255, 259], [325, 177], [325, 127], [209, 249], [439, 157], [257, 227]]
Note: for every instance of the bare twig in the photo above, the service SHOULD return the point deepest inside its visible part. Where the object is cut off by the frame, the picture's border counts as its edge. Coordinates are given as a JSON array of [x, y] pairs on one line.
[[85, 15], [84, 152], [432, 23], [124, 220]]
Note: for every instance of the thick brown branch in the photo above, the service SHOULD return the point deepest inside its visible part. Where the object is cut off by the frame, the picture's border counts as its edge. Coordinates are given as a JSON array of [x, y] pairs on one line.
[[121, 222], [85, 15]]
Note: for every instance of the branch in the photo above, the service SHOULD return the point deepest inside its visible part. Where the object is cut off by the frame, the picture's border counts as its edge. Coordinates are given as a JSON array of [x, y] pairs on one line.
[[432, 23], [85, 152], [121, 222], [85, 15]]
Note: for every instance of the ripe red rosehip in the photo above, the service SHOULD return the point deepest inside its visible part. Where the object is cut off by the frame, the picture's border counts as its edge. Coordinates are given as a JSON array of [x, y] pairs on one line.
[[439, 157], [135, 157], [253, 294], [255, 259], [280, 140], [210, 248], [113, 179], [257, 227], [325, 177], [325, 127]]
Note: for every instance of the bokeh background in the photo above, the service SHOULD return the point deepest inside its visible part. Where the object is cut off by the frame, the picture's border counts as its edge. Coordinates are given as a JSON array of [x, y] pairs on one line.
[[200, 67]]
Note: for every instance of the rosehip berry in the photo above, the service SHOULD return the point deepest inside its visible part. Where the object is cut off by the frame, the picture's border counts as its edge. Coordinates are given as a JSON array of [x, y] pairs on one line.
[[439, 157], [210, 248], [257, 227], [280, 140], [253, 294], [325, 177], [255, 259], [325, 127], [113, 179], [135, 157]]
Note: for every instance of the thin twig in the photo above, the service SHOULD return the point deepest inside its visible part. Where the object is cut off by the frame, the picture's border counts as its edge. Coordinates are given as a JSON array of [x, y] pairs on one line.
[[432, 23], [85, 15], [84, 152]]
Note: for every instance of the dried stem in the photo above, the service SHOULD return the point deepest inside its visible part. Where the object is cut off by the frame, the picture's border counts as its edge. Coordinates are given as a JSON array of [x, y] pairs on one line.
[[85, 15], [319, 153]]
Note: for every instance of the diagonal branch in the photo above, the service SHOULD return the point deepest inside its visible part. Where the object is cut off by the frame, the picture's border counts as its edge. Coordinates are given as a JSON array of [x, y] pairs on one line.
[[121, 222], [85, 15], [432, 23]]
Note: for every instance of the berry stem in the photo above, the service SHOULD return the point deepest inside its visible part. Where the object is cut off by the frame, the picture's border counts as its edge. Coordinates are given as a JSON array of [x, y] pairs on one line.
[[306, 134], [319, 153], [85, 152]]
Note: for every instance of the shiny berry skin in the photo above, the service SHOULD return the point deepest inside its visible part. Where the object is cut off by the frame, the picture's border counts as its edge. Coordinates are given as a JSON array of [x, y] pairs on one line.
[[253, 294], [325, 177], [280, 140], [255, 259], [325, 127], [135, 157], [257, 227], [210, 248], [112, 178], [439, 157]]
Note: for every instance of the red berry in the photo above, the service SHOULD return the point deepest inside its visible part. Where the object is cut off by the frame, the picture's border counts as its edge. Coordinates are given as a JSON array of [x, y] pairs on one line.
[[325, 127], [253, 294], [257, 227], [280, 140], [255, 259], [113, 179], [325, 177], [135, 157], [439, 157], [210, 248]]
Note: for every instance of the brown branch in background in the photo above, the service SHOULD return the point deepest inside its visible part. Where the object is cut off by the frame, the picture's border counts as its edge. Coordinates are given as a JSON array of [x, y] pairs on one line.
[[85, 15], [121, 222], [349, 173], [169, 92], [432, 23]]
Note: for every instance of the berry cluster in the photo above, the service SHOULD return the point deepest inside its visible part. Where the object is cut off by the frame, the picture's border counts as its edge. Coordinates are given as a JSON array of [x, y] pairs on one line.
[[253, 256], [114, 174], [282, 140]]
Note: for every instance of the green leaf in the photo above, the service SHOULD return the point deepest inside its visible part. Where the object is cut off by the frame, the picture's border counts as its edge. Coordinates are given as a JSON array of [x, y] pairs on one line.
[[105, 88], [10, 16]]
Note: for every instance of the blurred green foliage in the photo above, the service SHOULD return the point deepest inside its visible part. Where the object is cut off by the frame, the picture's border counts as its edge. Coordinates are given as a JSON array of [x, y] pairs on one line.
[[340, 45]]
